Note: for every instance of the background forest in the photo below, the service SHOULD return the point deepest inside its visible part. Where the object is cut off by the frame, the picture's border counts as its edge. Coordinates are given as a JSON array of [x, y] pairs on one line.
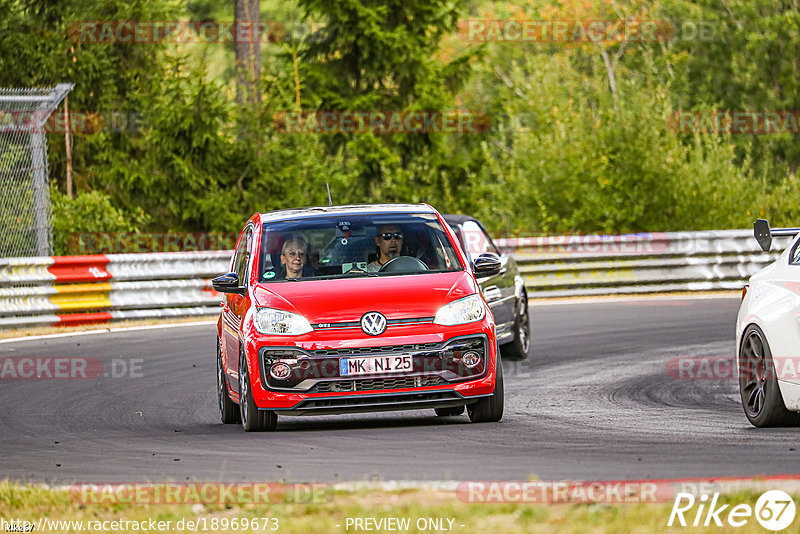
[[581, 137]]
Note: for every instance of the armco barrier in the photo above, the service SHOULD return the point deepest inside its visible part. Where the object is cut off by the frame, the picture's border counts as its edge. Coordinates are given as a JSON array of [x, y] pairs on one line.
[[80, 289], [558, 266], [68, 290]]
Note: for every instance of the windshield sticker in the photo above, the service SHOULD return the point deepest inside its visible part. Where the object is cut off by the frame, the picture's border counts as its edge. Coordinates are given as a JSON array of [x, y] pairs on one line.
[[269, 275]]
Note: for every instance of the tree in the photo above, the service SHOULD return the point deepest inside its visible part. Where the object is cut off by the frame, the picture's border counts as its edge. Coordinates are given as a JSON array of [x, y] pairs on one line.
[[378, 55], [247, 15]]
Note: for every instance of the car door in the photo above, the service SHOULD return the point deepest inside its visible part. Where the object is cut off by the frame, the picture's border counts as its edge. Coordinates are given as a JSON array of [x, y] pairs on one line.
[[235, 307], [498, 290]]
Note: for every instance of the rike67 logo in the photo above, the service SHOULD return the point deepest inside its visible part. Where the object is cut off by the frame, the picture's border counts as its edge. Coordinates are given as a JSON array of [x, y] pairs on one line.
[[774, 510]]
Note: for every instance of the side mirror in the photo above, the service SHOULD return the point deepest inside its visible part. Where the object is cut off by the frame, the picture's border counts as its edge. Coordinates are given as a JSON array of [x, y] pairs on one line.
[[763, 234], [487, 264], [227, 283]]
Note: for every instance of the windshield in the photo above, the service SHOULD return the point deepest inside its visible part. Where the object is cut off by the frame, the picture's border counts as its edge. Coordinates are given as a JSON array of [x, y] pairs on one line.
[[346, 246]]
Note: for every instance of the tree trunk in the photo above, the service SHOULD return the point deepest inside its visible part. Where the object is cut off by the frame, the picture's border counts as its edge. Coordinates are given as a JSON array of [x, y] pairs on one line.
[[247, 34]]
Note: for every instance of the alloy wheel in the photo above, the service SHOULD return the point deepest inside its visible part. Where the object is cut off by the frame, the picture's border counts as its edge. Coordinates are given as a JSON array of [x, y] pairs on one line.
[[753, 373]]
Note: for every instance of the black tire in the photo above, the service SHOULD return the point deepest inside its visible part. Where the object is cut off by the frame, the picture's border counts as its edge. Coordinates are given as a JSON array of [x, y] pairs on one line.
[[518, 349], [489, 409], [253, 419], [758, 384], [449, 412], [228, 411]]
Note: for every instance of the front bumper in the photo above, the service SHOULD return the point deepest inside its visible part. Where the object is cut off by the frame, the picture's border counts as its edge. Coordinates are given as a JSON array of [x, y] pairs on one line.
[[382, 402], [437, 379], [318, 371]]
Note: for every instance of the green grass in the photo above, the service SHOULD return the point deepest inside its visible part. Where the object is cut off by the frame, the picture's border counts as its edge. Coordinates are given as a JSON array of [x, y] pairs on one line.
[[330, 515]]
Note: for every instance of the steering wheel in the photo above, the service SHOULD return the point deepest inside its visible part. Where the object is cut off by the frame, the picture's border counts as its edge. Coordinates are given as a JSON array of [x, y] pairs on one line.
[[403, 264]]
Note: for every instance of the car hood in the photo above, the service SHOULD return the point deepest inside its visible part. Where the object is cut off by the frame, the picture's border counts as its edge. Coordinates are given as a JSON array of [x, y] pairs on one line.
[[397, 297]]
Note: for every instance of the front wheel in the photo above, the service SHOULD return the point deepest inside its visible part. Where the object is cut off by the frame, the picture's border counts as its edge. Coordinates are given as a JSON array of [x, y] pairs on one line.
[[518, 349], [489, 409], [253, 419], [758, 384]]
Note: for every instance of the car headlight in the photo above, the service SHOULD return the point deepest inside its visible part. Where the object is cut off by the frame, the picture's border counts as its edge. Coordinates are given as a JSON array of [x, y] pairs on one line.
[[281, 323], [466, 310]]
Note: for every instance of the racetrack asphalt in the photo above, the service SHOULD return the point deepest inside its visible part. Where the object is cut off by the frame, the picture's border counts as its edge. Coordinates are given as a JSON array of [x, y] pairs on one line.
[[594, 401]]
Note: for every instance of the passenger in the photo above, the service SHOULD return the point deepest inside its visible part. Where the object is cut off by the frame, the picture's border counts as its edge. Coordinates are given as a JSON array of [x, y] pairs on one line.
[[389, 241], [293, 256]]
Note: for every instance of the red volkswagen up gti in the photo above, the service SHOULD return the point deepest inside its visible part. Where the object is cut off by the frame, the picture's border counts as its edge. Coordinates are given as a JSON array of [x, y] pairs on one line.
[[347, 309]]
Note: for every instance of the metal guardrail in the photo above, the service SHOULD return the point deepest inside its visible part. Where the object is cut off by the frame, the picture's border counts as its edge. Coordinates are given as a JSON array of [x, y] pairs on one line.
[[559, 266], [69, 290], [65, 290]]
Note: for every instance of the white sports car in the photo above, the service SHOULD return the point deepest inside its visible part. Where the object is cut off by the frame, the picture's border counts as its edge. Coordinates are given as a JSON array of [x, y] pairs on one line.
[[768, 335]]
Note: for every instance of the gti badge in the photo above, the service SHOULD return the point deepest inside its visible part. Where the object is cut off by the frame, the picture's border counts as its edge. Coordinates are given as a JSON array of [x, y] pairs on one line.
[[373, 323]]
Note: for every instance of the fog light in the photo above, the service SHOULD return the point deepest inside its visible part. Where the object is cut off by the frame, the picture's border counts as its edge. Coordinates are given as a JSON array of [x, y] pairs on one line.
[[280, 371], [471, 359]]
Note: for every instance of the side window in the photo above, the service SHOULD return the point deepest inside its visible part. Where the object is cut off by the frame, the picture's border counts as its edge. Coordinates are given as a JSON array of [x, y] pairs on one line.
[[242, 253], [237, 254], [460, 236], [476, 240]]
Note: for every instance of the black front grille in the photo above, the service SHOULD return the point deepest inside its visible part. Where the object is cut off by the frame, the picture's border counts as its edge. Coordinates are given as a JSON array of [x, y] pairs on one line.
[[371, 384], [367, 351], [318, 371]]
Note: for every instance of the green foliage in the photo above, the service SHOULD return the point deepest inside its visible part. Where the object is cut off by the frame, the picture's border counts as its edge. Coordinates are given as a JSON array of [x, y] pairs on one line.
[[381, 56], [185, 151], [580, 137], [567, 156], [567, 166], [747, 61], [89, 212], [41, 44]]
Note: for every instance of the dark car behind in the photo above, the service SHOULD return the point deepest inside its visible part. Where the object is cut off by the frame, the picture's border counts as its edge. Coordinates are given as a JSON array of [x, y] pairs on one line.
[[504, 292]]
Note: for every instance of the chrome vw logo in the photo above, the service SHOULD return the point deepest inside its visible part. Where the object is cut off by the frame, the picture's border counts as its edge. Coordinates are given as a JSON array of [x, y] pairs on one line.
[[373, 323]]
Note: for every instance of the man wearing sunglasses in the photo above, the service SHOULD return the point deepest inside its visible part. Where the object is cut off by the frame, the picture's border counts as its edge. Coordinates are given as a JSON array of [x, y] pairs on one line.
[[390, 242]]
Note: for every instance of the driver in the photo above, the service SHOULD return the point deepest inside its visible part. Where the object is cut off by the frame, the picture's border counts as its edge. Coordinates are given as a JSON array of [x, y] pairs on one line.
[[293, 256], [389, 241]]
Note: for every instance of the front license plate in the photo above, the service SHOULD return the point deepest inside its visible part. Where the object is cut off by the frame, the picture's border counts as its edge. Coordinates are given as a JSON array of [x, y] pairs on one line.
[[374, 365]]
